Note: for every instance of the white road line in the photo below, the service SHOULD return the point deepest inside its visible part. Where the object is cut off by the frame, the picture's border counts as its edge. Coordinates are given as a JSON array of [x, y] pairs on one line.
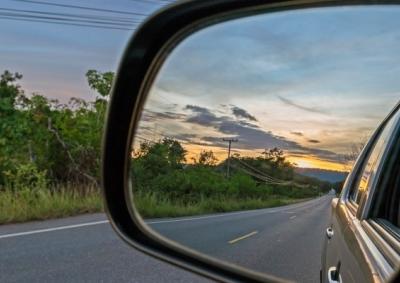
[[207, 217], [242, 237], [292, 217], [255, 212], [52, 229]]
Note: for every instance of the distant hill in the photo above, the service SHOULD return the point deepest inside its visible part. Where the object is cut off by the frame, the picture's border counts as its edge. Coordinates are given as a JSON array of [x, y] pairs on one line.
[[322, 174]]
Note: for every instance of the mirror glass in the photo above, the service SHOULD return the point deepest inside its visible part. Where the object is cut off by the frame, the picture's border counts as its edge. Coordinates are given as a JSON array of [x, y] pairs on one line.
[[252, 125]]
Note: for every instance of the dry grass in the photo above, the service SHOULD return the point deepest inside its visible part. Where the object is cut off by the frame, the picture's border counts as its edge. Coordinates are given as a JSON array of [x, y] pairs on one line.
[[60, 201]]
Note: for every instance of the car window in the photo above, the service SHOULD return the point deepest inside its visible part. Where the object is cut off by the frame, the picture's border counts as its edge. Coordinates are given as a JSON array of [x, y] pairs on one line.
[[372, 162], [386, 205], [389, 207]]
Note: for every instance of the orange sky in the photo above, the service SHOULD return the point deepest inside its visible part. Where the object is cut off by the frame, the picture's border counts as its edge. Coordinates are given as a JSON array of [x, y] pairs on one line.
[[304, 161]]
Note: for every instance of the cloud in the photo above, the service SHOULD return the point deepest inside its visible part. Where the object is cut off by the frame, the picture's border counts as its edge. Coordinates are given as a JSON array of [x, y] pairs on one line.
[[197, 109], [302, 107], [249, 137], [244, 123], [241, 113], [300, 134], [149, 115], [185, 137], [201, 116]]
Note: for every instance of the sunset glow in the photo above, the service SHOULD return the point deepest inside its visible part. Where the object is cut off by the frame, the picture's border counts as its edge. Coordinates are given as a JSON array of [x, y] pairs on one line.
[[312, 162]]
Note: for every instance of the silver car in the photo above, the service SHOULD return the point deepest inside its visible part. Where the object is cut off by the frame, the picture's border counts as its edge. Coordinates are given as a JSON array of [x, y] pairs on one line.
[[363, 238]]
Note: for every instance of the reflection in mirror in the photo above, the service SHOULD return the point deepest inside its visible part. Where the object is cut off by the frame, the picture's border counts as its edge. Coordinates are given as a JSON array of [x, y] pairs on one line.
[[251, 127]]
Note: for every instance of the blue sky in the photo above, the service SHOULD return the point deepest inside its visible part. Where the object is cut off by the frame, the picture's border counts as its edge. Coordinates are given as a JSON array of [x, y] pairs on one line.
[[54, 58]]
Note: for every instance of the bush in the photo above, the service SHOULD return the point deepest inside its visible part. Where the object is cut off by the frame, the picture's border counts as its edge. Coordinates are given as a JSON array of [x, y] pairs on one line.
[[189, 184], [26, 178], [244, 185]]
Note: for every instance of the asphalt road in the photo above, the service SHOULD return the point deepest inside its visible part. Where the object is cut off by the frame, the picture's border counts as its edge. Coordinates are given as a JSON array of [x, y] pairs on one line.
[[284, 241]]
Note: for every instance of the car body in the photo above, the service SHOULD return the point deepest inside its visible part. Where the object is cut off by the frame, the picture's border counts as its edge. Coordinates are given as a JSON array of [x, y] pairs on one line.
[[363, 237]]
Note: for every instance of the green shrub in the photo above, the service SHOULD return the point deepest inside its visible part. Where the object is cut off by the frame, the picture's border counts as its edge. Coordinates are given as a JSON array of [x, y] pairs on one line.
[[27, 178]]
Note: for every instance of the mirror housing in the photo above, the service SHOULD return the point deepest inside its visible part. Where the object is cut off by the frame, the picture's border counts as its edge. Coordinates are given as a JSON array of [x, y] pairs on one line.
[[137, 68], [142, 59]]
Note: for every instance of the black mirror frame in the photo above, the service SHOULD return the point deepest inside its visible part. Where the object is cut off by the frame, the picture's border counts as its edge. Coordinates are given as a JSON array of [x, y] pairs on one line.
[[139, 64]]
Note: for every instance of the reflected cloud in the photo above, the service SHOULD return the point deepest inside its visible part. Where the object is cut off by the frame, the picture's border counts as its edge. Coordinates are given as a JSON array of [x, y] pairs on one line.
[[302, 107], [214, 128], [241, 113], [311, 83]]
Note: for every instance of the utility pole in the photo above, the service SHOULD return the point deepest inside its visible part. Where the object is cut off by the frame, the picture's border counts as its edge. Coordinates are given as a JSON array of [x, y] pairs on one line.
[[230, 141]]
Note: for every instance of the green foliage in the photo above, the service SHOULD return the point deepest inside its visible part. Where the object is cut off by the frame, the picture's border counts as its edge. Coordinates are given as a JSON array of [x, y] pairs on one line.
[[62, 140], [189, 184], [164, 185], [27, 177], [101, 82], [243, 185], [9, 92], [154, 159], [207, 158], [49, 151]]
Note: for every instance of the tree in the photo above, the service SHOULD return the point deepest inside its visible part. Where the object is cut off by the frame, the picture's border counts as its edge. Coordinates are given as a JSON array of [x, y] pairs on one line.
[[12, 128], [207, 158], [62, 139], [275, 155], [101, 82], [176, 153], [9, 92], [153, 159]]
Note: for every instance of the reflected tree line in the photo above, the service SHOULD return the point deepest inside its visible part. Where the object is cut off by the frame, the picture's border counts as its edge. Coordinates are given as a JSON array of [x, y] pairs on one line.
[[162, 174]]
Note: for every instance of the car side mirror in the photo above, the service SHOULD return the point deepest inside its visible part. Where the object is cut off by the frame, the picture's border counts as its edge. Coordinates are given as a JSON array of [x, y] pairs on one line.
[[163, 86]]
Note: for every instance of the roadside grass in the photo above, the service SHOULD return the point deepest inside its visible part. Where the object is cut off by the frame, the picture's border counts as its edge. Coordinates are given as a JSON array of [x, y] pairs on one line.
[[63, 201], [151, 205], [60, 201]]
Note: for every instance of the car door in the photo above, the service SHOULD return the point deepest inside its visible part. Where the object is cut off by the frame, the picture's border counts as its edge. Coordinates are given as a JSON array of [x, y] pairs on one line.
[[353, 249]]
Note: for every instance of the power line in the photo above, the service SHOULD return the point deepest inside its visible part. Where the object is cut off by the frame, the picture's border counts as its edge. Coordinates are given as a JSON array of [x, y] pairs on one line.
[[262, 178], [259, 172], [63, 19], [154, 2], [61, 23], [83, 7], [252, 168], [78, 16]]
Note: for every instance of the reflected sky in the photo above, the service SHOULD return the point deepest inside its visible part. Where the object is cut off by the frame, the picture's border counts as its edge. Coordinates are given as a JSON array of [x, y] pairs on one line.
[[312, 82]]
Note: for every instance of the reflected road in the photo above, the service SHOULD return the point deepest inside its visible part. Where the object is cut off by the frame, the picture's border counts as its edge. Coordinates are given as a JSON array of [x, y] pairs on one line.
[[284, 241]]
